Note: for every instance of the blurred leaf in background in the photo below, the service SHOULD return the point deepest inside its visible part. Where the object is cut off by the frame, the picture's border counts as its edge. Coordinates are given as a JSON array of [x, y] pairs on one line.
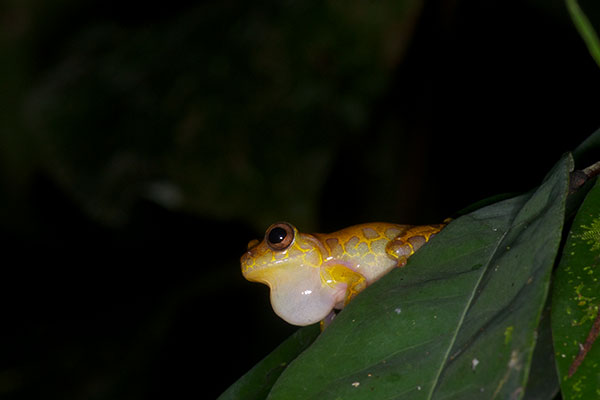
[[228, 111]]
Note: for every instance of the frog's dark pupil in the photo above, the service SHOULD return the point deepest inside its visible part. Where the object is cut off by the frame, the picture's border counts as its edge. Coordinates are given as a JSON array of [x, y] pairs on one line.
[[277, 235]]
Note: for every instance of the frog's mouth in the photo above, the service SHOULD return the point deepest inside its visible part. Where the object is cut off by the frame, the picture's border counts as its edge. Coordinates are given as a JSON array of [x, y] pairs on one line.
[[256, 271], [268, 275]]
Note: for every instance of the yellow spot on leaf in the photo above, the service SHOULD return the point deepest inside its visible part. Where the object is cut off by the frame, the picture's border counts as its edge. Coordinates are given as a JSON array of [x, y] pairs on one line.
[[508, 334], [592, 234]]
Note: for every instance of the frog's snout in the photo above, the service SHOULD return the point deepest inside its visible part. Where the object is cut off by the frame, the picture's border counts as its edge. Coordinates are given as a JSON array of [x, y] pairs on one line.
[[252, 262], [246, 261]]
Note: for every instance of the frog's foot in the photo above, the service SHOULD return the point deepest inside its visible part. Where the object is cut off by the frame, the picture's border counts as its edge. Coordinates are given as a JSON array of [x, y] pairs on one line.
[[405, 245], [327, 320]]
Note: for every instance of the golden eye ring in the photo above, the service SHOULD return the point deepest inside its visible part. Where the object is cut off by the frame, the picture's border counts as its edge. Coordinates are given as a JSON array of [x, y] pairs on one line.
[[279, 236]]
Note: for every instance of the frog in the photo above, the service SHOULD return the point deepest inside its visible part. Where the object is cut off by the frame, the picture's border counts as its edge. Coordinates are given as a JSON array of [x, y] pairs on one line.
[[313, 276]]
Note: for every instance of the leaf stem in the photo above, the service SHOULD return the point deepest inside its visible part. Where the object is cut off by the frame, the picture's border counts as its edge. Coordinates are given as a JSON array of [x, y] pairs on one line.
[[592, 170], [585, 28], [579, 177], [585, 348]]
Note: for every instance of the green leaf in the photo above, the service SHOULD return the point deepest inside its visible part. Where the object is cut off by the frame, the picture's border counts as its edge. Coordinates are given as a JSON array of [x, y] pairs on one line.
[[575, 305], [458, 322], [543, 379], [257, 382]]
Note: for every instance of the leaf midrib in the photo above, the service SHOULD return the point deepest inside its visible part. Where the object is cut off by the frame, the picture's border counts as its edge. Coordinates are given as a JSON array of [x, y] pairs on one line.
[[468, 306]]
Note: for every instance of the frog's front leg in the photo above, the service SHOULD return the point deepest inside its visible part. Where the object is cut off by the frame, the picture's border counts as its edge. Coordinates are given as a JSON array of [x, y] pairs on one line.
[[333, 275], [405, 245], [336, 274]]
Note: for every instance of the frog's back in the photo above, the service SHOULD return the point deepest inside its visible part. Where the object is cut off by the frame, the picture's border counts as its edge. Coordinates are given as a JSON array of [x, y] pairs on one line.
[[363, 247]]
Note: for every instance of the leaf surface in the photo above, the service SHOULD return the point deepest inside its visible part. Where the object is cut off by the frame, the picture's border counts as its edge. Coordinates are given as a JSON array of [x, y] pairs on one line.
[[542, 383], [575, 304], [458, 322], [257, 382]]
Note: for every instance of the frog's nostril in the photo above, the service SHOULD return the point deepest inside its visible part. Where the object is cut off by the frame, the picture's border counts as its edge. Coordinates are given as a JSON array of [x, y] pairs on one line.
[[247, 261], [252, 243]]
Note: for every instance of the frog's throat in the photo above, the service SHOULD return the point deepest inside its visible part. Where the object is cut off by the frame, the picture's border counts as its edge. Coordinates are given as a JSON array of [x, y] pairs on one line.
[[301, 298]]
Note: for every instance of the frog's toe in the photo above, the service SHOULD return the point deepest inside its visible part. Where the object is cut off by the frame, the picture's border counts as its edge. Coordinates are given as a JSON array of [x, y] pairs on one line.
[[417, 241], [400, 250], [403, 247], [327, 320]]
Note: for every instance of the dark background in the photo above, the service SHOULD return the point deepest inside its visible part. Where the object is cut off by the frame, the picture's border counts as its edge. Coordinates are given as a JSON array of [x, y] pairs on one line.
[[142, 145]]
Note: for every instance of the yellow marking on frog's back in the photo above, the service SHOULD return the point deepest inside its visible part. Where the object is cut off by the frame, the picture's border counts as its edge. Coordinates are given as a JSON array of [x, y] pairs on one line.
[[370, 233], [362, 246], [334, 247]]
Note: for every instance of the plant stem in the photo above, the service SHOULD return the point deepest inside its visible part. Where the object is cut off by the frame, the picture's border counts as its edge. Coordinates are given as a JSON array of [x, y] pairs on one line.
[[579, 177], [585, 348], [592, 170], [583, 25]]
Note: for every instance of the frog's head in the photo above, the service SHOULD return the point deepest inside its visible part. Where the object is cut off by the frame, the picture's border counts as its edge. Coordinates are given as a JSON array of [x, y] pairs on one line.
[[289, 262]]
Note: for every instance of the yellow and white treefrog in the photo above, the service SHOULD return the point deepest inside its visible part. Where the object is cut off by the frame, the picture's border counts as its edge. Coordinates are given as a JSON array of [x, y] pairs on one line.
[[312, 275]]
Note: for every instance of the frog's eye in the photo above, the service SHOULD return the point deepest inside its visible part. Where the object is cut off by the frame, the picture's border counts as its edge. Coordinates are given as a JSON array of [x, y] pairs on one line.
[[279, 236]]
